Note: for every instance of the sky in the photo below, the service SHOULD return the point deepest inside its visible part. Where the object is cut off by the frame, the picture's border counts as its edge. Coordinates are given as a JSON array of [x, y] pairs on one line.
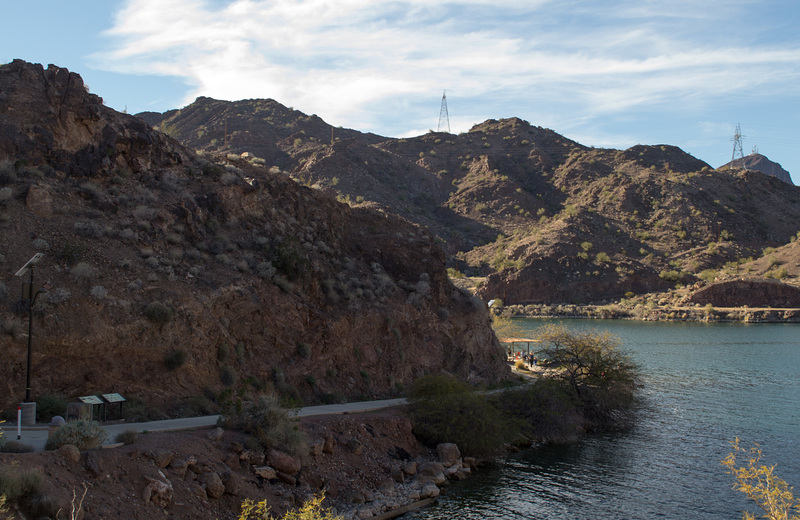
[[605, 73]]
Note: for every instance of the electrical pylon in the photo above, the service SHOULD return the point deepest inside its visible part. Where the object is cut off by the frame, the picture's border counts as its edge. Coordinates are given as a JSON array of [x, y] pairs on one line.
[[737, 145], [444, 117]]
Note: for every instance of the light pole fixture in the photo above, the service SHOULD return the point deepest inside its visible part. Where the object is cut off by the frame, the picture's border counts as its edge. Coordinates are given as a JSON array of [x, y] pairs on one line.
[[29, 292]]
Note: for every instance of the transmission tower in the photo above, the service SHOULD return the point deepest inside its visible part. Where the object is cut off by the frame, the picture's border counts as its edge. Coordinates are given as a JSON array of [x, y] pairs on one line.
[[444, 117], [737, 145]]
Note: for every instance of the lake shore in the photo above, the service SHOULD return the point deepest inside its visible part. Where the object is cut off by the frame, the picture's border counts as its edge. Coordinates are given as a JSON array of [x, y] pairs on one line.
[[645, 313]]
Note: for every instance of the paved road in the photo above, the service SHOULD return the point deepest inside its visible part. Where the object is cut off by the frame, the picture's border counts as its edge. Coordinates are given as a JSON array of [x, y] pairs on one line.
[[36, 436]]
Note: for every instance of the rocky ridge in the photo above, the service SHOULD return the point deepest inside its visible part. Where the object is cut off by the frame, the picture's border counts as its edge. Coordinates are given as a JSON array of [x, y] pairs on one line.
[[543, 218]]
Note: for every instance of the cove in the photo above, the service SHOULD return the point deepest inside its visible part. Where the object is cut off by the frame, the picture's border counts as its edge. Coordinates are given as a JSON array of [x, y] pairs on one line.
[[704, 385]]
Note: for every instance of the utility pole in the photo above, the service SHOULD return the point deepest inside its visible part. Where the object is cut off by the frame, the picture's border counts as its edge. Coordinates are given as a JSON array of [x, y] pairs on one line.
[[444, 117], [27, 410]]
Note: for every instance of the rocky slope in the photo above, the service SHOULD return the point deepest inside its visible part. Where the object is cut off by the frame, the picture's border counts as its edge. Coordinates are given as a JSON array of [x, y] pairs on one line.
[[760, 163], [544, 218], [178, 280]]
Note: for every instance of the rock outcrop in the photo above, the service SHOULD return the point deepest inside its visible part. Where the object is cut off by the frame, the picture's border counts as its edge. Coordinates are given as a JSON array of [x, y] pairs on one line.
[[172, 278]]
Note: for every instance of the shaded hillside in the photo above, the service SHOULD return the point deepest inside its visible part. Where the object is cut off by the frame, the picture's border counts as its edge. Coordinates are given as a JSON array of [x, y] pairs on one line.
[[760, 163], [545, 218], [179, 280]]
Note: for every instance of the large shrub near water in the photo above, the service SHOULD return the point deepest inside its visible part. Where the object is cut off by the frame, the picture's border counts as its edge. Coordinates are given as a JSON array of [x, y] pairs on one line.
[[444, 409]]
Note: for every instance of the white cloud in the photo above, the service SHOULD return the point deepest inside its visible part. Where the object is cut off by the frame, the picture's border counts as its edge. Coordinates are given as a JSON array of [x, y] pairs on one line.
[[343, 59]]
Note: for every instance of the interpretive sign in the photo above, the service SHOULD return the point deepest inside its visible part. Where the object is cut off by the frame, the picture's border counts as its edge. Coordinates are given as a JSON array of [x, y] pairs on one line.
[[91, 399], [113, 398]]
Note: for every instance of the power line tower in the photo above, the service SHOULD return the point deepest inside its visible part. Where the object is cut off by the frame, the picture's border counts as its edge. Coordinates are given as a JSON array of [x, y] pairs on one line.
[[444, 117], [737, 145]]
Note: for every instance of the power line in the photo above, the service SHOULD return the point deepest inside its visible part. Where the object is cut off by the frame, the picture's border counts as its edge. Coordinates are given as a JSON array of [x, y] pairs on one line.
[[444, 117]]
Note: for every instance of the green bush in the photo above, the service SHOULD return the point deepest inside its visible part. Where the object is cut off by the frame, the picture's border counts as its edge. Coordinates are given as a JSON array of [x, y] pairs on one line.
[[86, 435], [19, 484], [227, 375], [304, 350], [444, 409], [270, 424], [127, 437], [159, 313], [48, 405], [546, 409]]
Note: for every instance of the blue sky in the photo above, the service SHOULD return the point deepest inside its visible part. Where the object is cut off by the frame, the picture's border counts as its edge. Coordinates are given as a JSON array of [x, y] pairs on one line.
[[604, 73]]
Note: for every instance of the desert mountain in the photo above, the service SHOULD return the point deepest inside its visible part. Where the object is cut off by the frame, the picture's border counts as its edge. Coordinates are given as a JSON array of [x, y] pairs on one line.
[[760, 163], [543, 217], [181, 280]]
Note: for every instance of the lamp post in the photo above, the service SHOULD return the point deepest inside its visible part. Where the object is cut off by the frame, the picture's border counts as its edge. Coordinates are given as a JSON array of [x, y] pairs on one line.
[[30, 291]]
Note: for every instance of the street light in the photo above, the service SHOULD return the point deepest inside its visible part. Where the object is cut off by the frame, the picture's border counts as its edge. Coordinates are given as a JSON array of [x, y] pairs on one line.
[[30, 291]]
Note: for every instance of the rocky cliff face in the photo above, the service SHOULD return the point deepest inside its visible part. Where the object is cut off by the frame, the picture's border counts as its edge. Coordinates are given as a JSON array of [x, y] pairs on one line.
[[177, 279]]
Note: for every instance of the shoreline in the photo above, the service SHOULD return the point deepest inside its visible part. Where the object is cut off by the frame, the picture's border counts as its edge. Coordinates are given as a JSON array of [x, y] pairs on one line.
[[684, 314]]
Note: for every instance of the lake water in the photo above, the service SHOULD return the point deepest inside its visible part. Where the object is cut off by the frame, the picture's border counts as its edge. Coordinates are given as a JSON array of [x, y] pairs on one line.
[[704, 385]]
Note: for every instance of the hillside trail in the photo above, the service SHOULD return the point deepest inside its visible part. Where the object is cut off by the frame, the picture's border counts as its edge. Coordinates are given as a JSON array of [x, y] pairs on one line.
[[36, 436]]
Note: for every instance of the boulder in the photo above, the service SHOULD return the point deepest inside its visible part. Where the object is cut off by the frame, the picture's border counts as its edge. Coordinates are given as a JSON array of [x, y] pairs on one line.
[[231, 482], [410, 468], [429, 490], [255, 458], [71, 452], [283, 462], [159, 492], [265, 472], [216, 434], [432, 471], [92, 464], [162, 458], [213, 484], [448, 453]]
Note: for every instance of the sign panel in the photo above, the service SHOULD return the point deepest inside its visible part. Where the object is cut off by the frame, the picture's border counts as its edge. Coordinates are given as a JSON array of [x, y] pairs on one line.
[[113, 398], [91, 399]]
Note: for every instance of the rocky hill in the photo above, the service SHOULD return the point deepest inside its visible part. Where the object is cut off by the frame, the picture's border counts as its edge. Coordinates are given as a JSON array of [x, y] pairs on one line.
[[181, 280], [543, 218], [760, 163]]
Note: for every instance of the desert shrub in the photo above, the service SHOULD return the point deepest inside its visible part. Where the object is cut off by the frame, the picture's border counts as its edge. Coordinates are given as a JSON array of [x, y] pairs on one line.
[[227, 375], [287, 257], [159, 313], [8, 174], [98, 292], [19, 484], [175, 358], [670, 276], [709, 275], [270, 424], [445, 409], [310, 510], [127, 437], [602, 258], [13, 446], [86, 435], [48, 405], [304, 350], [41, 244], [88, 229], [6, 194], [82, 271]]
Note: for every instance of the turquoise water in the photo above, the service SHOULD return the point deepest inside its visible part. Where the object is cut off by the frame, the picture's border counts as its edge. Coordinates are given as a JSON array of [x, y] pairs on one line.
[[705, 384]]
